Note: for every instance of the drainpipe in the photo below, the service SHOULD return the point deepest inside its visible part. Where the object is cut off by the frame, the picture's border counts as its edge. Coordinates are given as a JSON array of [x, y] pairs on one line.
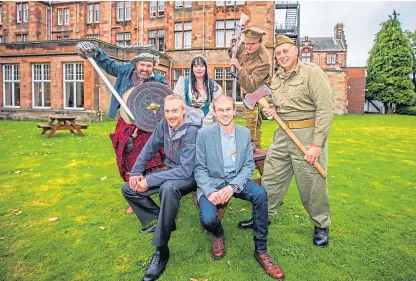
[[111, 23], [142, 37], [51, 21], [203, 28]]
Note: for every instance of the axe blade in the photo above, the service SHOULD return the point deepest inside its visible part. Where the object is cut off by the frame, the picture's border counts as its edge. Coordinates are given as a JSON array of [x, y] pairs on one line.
[[251, 100]]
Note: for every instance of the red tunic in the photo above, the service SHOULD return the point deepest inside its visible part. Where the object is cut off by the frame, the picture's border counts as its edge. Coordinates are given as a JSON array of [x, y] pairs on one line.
[[126, 160]]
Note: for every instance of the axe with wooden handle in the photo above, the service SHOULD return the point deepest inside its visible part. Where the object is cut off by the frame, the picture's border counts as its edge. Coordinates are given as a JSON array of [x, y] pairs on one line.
[[259, 97]]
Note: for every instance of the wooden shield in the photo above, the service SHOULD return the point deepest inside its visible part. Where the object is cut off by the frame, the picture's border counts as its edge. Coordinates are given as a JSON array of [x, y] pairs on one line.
[[146, 103]]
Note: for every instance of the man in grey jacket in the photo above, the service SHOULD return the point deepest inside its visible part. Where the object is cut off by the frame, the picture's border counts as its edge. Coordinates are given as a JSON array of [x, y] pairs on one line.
[[176, 133], [223, 168]]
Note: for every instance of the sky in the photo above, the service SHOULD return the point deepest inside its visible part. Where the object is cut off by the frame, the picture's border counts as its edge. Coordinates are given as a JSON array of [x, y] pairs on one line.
[[361, 21]]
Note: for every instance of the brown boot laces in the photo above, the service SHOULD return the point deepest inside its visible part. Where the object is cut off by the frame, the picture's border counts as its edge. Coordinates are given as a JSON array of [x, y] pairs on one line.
[[269, 262]]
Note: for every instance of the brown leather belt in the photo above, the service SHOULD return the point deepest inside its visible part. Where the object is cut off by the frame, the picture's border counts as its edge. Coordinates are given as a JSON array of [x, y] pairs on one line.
[[300, 124]]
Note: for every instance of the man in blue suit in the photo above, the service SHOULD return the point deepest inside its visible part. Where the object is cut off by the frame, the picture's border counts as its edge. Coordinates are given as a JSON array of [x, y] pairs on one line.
[[223, 168]]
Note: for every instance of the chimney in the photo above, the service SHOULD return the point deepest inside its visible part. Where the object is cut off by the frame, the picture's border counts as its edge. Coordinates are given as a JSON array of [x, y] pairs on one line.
[[339, 33]]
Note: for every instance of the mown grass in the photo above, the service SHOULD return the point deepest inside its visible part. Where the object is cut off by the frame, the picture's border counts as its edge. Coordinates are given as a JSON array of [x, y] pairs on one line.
[[372, 184]]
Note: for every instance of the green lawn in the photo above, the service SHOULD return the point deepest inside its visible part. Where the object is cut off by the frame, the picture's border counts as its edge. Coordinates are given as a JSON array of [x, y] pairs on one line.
[[372, 184]]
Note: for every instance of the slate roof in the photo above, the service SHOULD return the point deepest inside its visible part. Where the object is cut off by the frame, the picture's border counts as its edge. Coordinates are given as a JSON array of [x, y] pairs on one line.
[[326, 44]]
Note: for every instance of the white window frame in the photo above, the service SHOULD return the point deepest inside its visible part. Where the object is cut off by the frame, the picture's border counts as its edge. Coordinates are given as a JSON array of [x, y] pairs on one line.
[[178, 35], [127, 10], [1, 14], [25, 12], [66, 16], [160, 8], [1, 39], [120, 11], [74, 81], [187, 30], [120, 39], [60, 16], [161, 34], [152, 9], [96, 13], [306, 56], [13, 68], [224, 29], [19, 12], [90, 13], [127, 37], [331, 58], [153, 35], [92, 36], [178, 5], [45, 70]]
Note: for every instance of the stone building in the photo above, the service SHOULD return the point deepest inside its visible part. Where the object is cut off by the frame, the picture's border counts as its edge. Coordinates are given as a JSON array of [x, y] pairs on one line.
[[42, 74], [330, 53]]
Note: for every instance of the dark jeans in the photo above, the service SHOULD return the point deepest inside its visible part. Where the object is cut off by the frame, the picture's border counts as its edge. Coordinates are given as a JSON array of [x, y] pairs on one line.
[[258, 198], [170, 193]]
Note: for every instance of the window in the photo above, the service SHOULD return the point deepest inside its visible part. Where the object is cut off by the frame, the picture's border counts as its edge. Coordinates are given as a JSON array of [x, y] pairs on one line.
[[127, 38], [187, 34], [90, 13], [157, 39], [21, 37], [1, 14], [1, 39], [11, 85], [179, 72], [25, 12], [93, 13], [66, 16], [92, 36], [123, 10], [224, 78], [41, 85], [74, 85], [331, 58], [187, 4], [22, 12], [96, 12], [161, 40], [230, 3], [153, 9], [224, 32], [62, 37], [306, 57], [178, 4], [123, 39], [183, 34], [161, 8], [60, 16]]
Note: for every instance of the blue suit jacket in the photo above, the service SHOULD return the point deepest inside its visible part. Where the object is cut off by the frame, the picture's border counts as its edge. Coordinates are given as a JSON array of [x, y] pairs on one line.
[[209, 162]]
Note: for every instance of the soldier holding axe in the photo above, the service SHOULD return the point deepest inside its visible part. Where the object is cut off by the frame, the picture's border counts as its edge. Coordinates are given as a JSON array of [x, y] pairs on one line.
[[253, 62], [303, 103]]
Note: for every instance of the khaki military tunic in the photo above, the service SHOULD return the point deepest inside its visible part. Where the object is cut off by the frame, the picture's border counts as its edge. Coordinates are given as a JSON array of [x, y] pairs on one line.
[[303, 95], [255, 71]]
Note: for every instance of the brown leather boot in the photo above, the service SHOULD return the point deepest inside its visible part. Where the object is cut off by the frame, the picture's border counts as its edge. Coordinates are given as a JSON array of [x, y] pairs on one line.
[[218, 247], [269, 265]]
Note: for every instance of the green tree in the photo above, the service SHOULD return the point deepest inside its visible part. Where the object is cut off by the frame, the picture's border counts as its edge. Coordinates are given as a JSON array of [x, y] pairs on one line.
[[412, 37], [389, 67]]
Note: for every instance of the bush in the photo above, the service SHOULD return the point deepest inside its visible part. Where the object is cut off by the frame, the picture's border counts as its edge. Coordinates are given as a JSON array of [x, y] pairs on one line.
[[406, 110]]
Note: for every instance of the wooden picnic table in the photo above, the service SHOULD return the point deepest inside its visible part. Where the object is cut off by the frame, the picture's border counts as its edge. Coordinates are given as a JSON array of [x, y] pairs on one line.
[[62, 122]]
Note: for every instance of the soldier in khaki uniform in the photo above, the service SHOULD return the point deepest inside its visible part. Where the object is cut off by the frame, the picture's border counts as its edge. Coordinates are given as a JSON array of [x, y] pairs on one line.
[[302, 97], [254, 64]]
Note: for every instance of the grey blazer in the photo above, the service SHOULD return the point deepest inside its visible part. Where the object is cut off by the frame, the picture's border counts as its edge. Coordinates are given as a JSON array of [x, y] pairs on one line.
[[209, 163]]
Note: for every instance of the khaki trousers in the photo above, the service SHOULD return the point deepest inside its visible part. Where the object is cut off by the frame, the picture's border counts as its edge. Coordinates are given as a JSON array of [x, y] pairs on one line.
[[253, 123], [285, 160]]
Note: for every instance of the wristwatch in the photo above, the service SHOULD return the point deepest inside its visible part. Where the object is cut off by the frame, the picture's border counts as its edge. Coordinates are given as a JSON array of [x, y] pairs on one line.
[[235, 188]]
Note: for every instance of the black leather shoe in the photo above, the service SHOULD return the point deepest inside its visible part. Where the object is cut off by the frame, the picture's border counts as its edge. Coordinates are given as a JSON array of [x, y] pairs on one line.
[[157, 265], [152, 228], [321, 237], [247, 224]]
